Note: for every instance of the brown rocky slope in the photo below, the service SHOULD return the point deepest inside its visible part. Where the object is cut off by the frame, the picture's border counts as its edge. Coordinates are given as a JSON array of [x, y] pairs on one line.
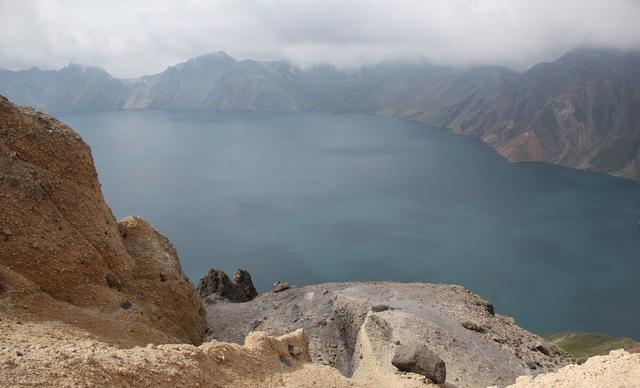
[[64, 257]]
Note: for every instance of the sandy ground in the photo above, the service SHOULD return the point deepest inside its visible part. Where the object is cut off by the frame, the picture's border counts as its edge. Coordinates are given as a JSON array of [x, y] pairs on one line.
[[56, 354], [618, 369]]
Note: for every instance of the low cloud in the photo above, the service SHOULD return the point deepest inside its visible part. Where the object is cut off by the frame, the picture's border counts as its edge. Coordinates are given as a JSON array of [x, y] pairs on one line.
[[130, 39]]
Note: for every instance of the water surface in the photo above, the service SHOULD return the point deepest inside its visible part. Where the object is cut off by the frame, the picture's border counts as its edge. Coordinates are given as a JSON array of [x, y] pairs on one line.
[[310, 198]]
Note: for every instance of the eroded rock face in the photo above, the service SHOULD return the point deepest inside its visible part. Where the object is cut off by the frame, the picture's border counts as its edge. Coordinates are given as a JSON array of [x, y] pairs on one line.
[[216, 282], [64, 256]]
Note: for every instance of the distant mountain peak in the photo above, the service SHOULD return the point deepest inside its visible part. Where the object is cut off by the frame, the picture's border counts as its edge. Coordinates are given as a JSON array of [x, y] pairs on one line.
[[78, 68], [217, 56]]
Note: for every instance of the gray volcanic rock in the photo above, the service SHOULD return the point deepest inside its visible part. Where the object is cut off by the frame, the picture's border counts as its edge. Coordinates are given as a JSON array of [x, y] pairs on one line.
[[244, 284], [216, 282], [346, 333], [419, 359]]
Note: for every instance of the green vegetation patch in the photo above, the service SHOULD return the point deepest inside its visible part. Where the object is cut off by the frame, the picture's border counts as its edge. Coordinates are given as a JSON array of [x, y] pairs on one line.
[[585, 345]]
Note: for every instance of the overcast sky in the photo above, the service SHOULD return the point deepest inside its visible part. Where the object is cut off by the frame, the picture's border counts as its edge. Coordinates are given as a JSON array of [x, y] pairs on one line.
[[132, 38]]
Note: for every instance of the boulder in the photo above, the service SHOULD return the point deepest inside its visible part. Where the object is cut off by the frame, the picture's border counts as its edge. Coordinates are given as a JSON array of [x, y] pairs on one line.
[[280, 286], [419, 359]]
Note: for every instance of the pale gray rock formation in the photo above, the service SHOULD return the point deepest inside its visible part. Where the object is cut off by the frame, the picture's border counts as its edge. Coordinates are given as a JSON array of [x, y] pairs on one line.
[[345, 332]]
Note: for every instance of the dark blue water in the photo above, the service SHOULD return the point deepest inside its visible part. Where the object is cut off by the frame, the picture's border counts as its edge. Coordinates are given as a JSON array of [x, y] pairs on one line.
[[310, 198]]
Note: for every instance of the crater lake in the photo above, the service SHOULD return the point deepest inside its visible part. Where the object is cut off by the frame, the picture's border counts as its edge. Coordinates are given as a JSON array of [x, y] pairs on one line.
[[311, 197]]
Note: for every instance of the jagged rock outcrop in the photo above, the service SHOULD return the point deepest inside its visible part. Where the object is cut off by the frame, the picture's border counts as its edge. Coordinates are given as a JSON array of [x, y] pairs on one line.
[[244, 284], [64, 256], [216, 282]]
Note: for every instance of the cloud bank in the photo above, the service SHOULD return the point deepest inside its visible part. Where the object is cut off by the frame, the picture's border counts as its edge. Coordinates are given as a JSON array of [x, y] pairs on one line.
[[130, 38]]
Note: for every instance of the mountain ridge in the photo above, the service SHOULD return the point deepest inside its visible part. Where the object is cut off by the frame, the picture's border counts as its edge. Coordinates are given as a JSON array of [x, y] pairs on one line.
[[579, 111]]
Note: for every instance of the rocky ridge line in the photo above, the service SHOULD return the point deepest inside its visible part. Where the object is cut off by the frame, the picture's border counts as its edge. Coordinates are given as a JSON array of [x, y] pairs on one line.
[[579, 111]]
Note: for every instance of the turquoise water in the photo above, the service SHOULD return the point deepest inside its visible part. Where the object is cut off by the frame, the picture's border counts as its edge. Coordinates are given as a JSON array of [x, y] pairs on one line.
[[310, 198]]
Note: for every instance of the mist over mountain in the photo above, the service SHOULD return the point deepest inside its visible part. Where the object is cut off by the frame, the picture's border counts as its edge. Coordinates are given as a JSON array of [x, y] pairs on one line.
[[581, 110]]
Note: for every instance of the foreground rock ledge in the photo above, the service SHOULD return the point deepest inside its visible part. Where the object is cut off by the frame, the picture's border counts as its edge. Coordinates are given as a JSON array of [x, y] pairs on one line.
[[357, 327]]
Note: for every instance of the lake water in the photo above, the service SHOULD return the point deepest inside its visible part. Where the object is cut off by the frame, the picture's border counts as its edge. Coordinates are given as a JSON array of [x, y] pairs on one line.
[[309, 198]]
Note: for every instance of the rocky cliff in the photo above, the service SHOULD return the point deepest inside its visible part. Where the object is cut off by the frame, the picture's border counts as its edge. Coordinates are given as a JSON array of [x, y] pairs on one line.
[[64, 257], [580, 111]]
